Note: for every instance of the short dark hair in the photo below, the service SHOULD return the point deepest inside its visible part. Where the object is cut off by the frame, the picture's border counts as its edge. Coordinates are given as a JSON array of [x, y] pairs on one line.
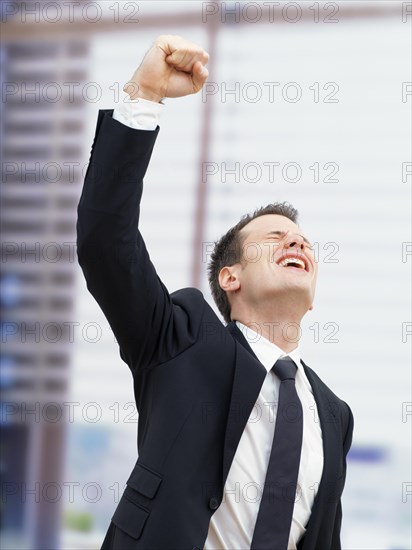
[[228, 250]]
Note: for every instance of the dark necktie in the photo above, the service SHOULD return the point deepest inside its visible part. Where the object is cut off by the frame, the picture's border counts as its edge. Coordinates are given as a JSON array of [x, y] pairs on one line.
[[276, 507]]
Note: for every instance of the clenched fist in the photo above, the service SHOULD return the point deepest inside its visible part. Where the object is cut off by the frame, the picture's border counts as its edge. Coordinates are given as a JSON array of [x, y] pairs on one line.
[[173, 67]]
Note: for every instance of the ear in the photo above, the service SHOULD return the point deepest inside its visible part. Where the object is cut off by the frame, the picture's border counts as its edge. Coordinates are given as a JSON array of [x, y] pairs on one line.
[[228, 279]]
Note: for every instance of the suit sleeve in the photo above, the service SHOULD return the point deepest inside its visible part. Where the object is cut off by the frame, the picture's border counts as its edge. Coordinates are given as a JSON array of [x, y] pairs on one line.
[[112, 254], [347, 442]]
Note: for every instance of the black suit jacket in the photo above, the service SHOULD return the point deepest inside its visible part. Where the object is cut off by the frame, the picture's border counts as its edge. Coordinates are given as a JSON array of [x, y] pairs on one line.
[[195, 380]]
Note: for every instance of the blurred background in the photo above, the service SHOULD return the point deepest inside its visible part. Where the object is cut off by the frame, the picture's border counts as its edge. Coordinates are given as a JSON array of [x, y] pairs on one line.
[[308, 102]]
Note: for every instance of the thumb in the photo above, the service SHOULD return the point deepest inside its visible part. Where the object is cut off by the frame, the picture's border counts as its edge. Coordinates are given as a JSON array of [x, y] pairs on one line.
[[174, 58], [199, 75]]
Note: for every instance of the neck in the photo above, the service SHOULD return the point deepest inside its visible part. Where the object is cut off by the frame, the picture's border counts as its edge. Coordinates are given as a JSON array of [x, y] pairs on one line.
[[281, 326]]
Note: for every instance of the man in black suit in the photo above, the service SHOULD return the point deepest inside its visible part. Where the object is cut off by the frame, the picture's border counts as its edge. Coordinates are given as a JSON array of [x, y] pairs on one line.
[[212, 434]]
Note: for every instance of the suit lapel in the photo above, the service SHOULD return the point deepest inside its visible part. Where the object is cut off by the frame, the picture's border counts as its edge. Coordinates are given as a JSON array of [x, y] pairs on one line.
[[332, 452], [248, 379]]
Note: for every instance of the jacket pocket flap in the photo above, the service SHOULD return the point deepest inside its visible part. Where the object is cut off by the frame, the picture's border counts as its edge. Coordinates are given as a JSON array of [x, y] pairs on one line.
[[144, 481], [130, 517]]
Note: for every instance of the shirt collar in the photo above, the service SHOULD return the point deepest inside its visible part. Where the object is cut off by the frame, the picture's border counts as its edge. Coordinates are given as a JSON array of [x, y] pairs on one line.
[[267, 352]]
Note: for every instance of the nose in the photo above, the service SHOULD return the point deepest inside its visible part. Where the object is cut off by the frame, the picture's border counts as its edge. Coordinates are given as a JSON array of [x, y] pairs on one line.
[[294, 241]]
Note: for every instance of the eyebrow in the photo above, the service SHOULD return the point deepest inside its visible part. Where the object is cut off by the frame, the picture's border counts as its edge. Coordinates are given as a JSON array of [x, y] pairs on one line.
[[283, 233]]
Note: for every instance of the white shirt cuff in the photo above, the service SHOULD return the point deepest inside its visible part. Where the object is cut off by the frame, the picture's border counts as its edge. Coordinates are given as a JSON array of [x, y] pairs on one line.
[[140, 114]]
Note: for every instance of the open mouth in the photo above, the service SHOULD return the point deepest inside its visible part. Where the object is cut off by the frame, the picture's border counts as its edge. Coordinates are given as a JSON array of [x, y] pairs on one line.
[[295, 262]]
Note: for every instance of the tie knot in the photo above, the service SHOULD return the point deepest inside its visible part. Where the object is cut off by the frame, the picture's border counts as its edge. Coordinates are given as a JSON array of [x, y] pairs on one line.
[[285, 368]]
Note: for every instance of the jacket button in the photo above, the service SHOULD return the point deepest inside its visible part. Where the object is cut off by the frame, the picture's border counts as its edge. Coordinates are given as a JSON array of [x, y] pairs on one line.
[[213, 503]]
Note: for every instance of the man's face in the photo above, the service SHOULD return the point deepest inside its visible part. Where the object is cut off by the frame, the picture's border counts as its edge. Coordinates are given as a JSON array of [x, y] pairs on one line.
[[277, 261]]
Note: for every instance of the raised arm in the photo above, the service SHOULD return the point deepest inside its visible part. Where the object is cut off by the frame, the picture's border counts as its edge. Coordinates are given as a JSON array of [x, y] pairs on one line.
[[110, 248]]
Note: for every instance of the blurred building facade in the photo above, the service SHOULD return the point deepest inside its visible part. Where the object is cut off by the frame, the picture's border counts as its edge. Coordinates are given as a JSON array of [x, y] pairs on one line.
[[42, 129]]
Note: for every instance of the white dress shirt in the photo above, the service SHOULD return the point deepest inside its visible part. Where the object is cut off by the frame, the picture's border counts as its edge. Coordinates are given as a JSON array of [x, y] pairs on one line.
[[231, 526], [140, 114]]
